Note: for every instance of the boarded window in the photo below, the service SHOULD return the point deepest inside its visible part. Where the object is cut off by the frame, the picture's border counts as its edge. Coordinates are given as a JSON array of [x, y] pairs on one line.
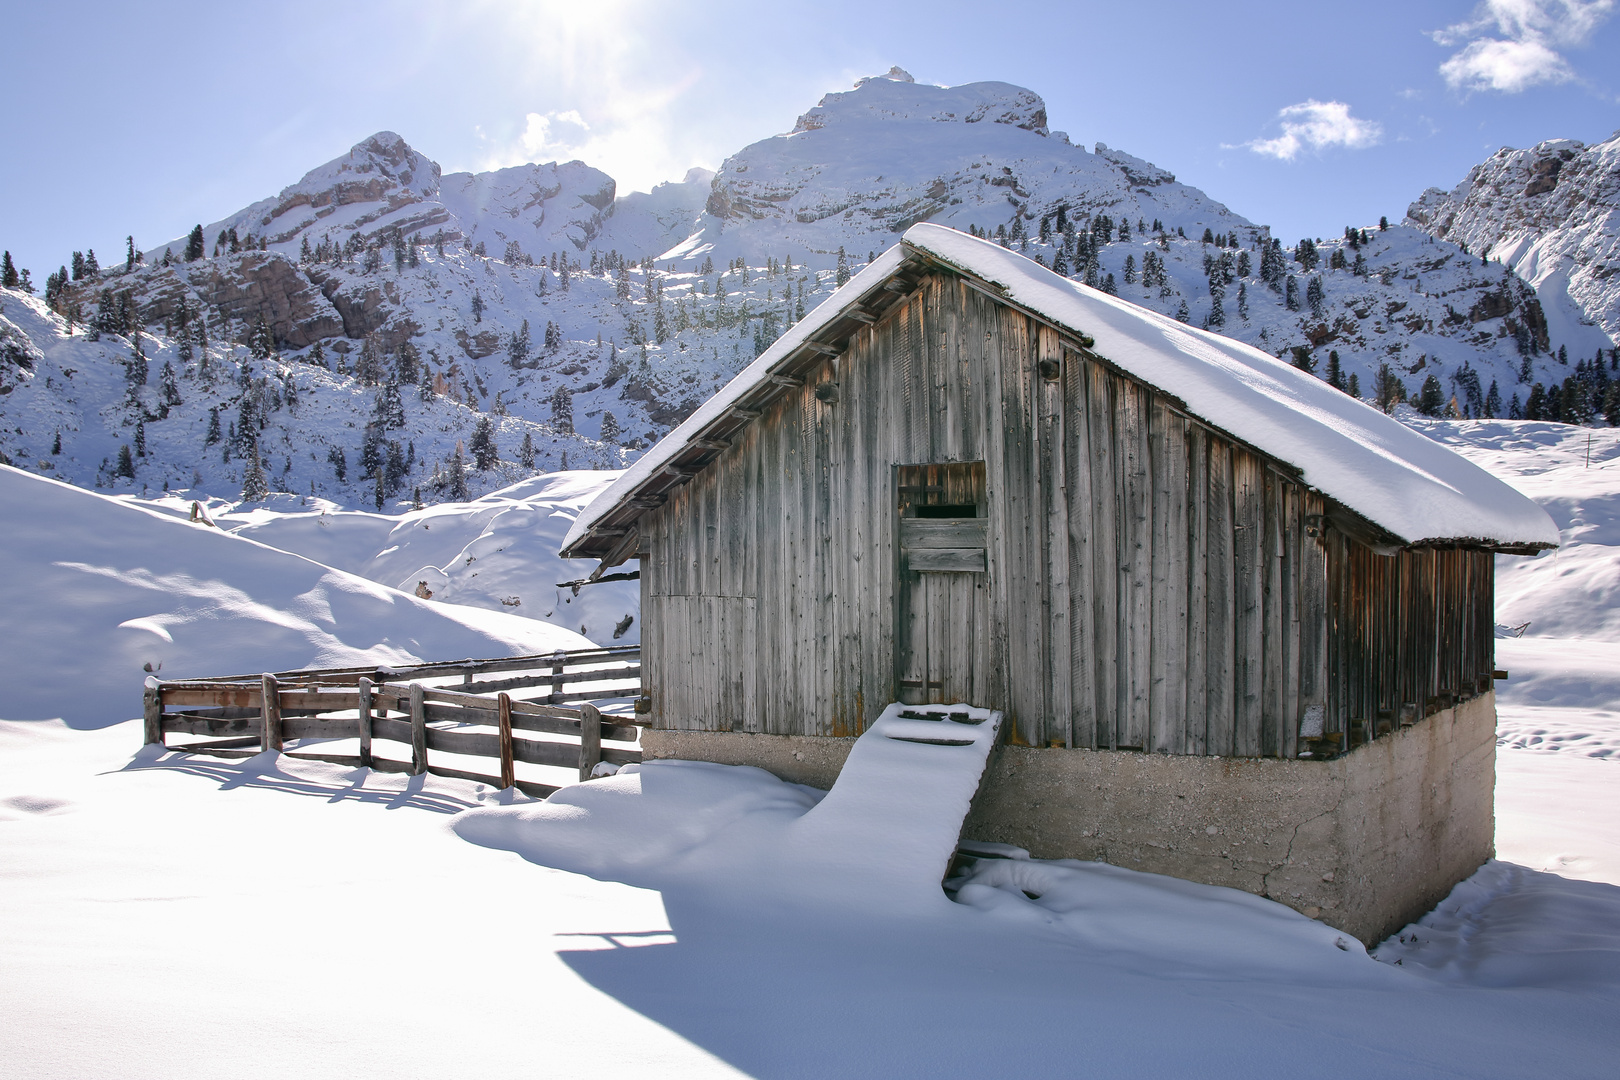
[[942, 517]]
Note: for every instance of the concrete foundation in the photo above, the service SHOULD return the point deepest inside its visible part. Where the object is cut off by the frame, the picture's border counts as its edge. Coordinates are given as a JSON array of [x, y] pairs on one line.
[[1366, 842]]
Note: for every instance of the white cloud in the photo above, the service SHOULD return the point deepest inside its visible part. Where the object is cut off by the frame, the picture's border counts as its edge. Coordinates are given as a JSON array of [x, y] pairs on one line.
[[537, 137], [1512, 45], [1316, 125]]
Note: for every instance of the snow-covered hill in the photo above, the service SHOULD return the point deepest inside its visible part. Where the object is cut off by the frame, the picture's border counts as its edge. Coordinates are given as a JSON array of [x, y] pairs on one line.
[[498, 552], [1552, 212], [100, 591]]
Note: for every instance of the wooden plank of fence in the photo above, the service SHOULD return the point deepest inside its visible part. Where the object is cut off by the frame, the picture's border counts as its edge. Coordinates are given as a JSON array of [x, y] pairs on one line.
[[270, 710], [504, 717], [363, 720], [590, 739], [185, 724], [152, 711], [418, 731], [629, 674]]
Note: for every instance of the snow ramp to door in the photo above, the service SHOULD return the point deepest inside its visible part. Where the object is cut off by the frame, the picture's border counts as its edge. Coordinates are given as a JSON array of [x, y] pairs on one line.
[[897, 808]]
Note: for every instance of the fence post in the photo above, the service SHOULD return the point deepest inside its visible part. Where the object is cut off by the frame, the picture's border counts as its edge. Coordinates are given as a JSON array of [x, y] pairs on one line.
[[559, 659], [364, 720], [153, 711], [270, 714], [418, 731], [590, 739], [503, 705]]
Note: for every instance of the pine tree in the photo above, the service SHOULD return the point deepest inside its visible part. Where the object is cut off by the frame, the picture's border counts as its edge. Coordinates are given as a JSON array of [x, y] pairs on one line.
[[140, 438], [562, 410], [482, 444], [255, 487], [8, 272], [1493, 398], [842, 277], [388, 409], [1315, 297], [1388, 392], [1291, 293], [611, 430], [1354, 389], [517, 348], [132, 258], [213, 435], [56, 445], [1182, 314], [168, 387], [126, 463], [1535, 406], [1431, 399], [1335, 374], [477, 306], [1243, 301], [339, 462], [458, 476], [526, 452]]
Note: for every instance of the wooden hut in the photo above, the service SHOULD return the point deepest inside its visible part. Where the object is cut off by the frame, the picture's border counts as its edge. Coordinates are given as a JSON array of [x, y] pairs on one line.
[[1217, 600]]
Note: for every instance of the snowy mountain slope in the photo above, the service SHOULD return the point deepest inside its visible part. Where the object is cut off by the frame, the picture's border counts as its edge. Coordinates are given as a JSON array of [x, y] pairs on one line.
[[101, 591], [636, 311], [498, 552], [1552, 211], [297, 415]]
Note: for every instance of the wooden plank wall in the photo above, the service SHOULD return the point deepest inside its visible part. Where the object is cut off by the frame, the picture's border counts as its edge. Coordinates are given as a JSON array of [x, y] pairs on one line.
[[1151, 585], [1409, 635]]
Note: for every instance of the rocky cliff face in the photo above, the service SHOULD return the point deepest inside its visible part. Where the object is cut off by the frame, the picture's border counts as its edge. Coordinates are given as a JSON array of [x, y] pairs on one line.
[[1553, 213]]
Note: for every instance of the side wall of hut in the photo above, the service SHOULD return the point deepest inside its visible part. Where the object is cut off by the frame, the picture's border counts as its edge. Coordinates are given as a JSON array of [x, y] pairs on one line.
[[1148, 584]]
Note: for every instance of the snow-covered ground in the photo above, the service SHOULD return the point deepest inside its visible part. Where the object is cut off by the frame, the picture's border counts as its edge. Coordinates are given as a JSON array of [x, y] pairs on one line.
[[168, 916]]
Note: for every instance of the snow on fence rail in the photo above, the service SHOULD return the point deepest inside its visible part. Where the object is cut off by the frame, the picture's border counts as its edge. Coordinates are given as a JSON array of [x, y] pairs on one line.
[[400, 705]]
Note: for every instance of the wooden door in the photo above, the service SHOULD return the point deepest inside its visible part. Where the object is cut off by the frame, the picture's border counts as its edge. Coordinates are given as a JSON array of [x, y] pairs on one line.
[[943, 595]]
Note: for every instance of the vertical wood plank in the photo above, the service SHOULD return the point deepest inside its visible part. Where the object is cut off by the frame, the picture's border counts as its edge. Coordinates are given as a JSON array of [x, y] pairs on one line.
[[363, 716], [590, 739], [152, 711], [1104, 547], [1135, 565], [503, 721], [1052, 446], [269, 713], [1077, 469], [419, 762], [1273, 647], [1248, 614], [1169, 638], [1221, 643], [1196, 639]]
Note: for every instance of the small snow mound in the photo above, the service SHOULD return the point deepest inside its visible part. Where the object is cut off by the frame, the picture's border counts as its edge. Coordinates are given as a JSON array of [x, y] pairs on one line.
[[1509, 926]]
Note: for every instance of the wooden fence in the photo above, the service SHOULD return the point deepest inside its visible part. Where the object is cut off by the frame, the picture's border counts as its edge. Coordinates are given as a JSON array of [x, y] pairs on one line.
[[547, 694]]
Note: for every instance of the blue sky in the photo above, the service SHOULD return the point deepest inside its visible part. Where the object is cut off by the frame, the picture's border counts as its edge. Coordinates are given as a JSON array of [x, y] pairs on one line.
[[149, 118]]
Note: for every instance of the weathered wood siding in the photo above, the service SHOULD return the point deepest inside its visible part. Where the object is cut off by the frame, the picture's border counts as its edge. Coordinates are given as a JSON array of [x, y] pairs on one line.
[[1150, 584]]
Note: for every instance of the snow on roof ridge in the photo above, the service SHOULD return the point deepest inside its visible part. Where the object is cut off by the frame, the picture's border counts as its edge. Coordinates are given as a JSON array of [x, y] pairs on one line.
[[1376, 466]]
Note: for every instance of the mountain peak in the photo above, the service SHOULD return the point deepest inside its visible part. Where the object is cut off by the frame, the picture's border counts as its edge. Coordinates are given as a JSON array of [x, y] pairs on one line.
[[894, 74], [896, 96]]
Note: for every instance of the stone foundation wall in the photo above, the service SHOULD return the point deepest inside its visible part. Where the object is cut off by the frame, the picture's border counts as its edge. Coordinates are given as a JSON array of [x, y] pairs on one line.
[[1366, 842]]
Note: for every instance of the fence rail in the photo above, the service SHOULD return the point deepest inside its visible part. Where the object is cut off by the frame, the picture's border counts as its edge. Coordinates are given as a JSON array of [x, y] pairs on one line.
[[243, 715]]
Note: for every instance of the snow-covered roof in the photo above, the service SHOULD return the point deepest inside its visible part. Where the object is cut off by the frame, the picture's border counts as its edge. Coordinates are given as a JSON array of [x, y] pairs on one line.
[[1411, 487]]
